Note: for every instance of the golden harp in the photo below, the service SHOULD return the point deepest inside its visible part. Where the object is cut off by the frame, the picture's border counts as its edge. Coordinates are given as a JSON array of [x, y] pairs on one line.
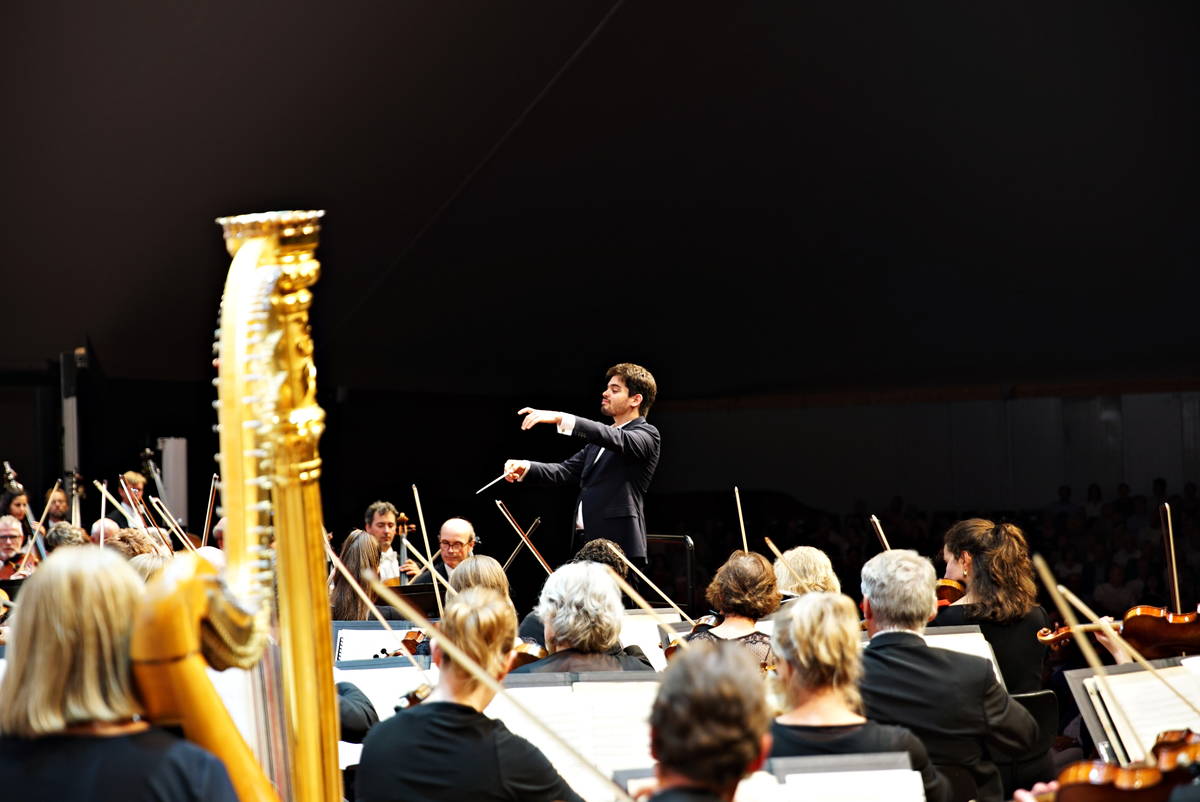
[[268, 609]]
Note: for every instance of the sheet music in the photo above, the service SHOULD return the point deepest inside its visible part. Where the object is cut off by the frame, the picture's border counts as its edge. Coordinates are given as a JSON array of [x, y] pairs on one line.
[[363, 644], [967, 643], [642, 630], [894, 785], [1149, 706], [385, 686], [607, 722]]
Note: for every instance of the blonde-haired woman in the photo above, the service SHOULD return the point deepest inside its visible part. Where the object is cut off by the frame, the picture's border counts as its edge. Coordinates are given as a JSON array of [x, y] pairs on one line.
[[805, 569], [479, 570], [445, 748], [69, 719], [816, 644]]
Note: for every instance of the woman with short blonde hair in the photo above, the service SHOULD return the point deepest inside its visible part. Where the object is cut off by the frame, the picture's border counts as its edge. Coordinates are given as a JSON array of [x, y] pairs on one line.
[[69, 718], [805, 569], [817, 645], [480, 570]]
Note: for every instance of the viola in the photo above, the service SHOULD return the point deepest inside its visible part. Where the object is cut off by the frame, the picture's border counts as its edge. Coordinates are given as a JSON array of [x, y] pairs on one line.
[[704, 622], [949, 591], [1156, 632], [525, 653]]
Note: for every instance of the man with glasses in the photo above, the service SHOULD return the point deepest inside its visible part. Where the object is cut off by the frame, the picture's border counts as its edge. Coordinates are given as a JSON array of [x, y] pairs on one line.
[[11, 540], [456, 541]]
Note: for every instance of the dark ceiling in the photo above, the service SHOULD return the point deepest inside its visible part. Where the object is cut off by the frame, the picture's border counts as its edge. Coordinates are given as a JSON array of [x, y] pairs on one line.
[[746, 196]]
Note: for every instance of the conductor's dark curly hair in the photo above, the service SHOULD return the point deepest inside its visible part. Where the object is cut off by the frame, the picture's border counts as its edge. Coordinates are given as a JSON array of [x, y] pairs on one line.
[[744, 585]]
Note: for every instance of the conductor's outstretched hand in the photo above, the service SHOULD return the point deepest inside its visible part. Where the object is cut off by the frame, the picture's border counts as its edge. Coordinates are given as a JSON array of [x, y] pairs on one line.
[[535, 416]]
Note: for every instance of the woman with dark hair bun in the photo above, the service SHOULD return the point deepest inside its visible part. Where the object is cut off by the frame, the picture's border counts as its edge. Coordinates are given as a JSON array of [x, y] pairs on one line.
[[992, 562], [743, 591]]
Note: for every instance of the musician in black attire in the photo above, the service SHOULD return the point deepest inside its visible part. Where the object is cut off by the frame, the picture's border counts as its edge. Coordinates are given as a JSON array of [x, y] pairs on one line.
[[445, 749], [70, 726], [992, 561], [708, 726], [816, 641], [580, 607], [594, 551], [951, 701]]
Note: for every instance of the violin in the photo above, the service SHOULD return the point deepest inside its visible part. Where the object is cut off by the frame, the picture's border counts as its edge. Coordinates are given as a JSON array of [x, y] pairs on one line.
[[414, 697], [1176, 757], [1156, 632], [949, 591], [703, 623], [525, 652]]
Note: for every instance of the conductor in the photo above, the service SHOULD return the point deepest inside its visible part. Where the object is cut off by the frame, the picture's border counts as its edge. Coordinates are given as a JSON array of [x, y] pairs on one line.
[[614, 467]]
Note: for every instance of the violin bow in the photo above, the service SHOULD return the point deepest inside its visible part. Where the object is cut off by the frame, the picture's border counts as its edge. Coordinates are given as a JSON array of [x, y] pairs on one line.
[[464, 661], [508, 516], [1111, 631], [779, 556], [103, 506], [656, 588], [437, 594], [212, 500], [161, 507], [341, 568], [37, 531], [1168, 533], [1085, 646], [878, 527], [521, 544], [645, 605], [139, 507], [737, 498]]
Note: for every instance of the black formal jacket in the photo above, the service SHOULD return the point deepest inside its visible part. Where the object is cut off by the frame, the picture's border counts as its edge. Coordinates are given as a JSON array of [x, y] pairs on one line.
[[951, 701], [611, 489]]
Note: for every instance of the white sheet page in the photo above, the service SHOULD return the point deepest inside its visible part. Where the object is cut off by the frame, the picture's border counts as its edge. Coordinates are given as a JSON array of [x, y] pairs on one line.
[[894, 785], [1150, 706]]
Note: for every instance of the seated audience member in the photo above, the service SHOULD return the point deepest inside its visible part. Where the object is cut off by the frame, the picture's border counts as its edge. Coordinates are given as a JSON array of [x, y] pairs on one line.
[[148, 565], [805, 569], [992, 562], [477, 571], [12, 539], [708, 726], [456, 542], [63, 534], [360, 553], [580, 607], [598, 550], [445, 749], [743, 591], [816, 643], [69, 725], [951, 701], [130, 542], [106, 525]]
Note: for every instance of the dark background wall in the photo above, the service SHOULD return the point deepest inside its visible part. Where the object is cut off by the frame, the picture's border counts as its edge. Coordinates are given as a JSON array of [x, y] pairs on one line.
[[749, 198]]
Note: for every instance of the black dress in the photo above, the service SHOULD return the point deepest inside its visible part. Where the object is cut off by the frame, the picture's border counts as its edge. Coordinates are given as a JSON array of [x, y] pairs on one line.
[[1015, 643], [149, 766], [447, 752], [791, 740], [686, 795]]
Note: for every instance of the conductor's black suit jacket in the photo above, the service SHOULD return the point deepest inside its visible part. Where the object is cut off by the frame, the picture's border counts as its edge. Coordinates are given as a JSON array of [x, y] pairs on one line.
[[612, 488], [951, 701]]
